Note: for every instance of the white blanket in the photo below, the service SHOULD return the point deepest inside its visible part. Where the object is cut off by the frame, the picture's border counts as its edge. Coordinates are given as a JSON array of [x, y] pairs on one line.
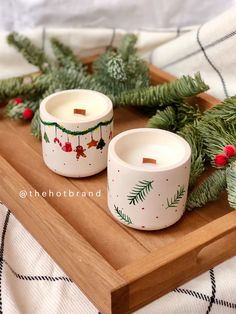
[[30, 282]]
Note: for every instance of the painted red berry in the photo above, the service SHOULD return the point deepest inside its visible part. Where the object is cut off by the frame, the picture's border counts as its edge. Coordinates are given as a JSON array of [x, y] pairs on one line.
[[230, 150], [28, 114], [18, 100], [221, 160]]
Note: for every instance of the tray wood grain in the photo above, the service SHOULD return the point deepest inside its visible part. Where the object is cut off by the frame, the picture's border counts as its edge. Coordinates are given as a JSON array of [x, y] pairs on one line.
[[120, 269]]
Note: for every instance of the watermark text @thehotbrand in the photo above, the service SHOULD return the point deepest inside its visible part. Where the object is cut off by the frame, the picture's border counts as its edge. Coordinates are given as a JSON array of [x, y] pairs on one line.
[[59, 194]]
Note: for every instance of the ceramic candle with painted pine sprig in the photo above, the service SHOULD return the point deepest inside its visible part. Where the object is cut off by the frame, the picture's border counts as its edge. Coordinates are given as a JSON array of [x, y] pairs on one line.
[[148, 175], [76, 128]]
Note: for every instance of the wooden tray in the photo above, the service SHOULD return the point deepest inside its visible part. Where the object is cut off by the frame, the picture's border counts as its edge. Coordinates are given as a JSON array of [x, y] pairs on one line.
[[119, 269]]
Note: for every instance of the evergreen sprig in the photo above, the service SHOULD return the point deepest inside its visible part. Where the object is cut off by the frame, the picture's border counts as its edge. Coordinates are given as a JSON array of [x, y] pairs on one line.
[[175, 117], [231, 184], [15, 112], [127, 46], [119, 71], [36, 126], [165, 94], [140, 191], [173, 202], [216, 134], [209, 190], [192, 135], [226, 111], [32, 54], [123, 216], [66, 57], [164, 119]]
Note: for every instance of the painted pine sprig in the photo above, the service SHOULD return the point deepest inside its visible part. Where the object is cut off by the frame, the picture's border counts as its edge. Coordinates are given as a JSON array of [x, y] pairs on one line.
[[123, 216], [173, 202], [140, 191]]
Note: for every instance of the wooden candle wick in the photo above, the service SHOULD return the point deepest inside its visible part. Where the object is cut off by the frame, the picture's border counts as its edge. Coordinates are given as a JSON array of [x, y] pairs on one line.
[[149, 160], [80, 111]]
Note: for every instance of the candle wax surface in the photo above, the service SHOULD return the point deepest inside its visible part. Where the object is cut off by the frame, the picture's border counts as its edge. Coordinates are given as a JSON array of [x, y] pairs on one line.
[[162, 153], [63, 109], [165, 147]]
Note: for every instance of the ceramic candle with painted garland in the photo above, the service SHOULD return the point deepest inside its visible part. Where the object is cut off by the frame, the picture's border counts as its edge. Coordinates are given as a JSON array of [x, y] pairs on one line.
[[76, 127], [148, 176]]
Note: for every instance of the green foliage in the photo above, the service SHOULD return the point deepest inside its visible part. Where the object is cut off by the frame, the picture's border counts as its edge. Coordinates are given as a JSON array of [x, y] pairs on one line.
[[187, 114], [231, 184], [116, 68], [127, 46], [24, 87], [209, 190], [123, 216], [139, 192], [15, 112], [65, 56], [122, 70], [165, 94], [225, 111], [32, 54], [192, 135], [36, 125], [174, 117], [216, 134], [164, 119], [9, 88], [173, 202]]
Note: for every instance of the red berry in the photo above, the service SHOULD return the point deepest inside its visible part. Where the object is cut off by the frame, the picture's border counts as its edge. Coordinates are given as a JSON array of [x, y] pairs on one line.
[[18, 100], [28, 113], [221, 160], [230, 150]]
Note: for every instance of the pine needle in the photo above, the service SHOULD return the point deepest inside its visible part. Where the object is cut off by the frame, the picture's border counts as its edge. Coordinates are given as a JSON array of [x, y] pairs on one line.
[[192, 135], [164, 94], [231, 184], [209, 190], [32, 54]]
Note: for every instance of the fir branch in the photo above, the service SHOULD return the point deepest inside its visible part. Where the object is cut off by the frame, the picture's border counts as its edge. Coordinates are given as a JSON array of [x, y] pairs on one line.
[[192, 135], [127, 46], [123, 216], [32, 54], [225, 111], [28, 86], [187, 113], [116, 68], [165, 94], [173, 202], [164, 119], [15, 112], [209, 190], [140, 191], [36, 125], [116, 71], [9, 87], [65, 56], [231, 184], [216, 134]]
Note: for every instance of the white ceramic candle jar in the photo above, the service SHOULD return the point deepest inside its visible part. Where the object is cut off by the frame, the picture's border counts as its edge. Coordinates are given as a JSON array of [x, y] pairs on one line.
[[148, 175], [76, 127]]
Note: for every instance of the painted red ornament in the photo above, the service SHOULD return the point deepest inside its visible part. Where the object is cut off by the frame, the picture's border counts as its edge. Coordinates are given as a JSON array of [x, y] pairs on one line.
[[28, 114], [221, 160], [67, 147], [18, 100], [56, 140], [230, 150], [80, 152]]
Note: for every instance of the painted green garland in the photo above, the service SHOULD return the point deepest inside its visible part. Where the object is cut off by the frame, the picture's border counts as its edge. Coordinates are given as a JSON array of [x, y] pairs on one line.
[[69, 132]]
